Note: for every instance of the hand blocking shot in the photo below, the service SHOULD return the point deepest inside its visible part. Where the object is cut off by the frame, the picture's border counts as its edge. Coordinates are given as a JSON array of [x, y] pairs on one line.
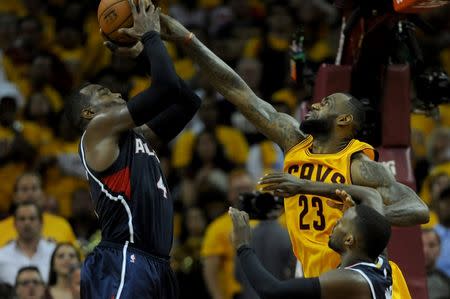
[[359, 237]]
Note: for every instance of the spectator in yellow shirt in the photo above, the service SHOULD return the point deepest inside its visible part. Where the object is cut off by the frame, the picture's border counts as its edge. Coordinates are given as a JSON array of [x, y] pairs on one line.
[[217, 250], [29, 187]]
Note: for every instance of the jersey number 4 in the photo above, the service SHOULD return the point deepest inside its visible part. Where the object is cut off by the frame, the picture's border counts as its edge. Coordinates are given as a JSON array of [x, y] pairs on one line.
[[316, 204], [161, 186]]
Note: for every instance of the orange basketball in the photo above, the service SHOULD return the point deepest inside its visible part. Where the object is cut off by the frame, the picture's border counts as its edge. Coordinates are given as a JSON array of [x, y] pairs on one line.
[[113, 15]]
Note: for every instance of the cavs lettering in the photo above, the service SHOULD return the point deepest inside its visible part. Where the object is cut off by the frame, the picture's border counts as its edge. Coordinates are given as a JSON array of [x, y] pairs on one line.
[[309, 219]]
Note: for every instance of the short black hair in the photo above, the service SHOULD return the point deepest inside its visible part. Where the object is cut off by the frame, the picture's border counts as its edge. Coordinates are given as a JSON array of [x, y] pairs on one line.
[[29, 203], [28, 268], [374, 230], [359, 110], [75, 103]]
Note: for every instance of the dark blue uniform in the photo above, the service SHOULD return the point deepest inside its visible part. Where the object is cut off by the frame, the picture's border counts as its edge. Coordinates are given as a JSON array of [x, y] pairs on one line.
[[135, 212], [378, 276]]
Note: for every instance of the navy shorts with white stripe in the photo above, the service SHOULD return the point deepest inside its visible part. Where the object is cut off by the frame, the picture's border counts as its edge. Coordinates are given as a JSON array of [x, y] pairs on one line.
[[135, 212]]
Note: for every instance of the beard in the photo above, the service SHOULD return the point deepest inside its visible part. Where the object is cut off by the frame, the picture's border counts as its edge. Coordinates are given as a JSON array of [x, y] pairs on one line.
[[317, 127], [334, 246]]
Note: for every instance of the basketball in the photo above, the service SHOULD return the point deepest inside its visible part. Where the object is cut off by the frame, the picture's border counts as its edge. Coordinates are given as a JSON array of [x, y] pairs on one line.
[[113, 15]]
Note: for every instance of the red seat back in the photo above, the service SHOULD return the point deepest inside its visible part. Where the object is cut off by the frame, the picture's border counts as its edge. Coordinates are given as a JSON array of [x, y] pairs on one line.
[[396, 107], [331, 79]]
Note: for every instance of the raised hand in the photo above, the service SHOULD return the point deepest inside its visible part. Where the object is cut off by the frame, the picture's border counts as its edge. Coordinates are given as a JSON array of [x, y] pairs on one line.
[[347, 201], [145, 19], [241, 227], [131, 52], [281, 184]]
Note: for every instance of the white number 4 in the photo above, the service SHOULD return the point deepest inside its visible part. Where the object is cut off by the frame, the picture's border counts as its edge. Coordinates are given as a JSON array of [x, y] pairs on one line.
[[161, 186]]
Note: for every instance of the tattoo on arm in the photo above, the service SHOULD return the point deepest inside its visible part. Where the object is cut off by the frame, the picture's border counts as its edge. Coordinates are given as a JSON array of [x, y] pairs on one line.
[[279, 127], [402, 206]]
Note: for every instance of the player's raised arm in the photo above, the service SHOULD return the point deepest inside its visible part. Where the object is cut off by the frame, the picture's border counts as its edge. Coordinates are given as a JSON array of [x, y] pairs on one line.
[[279, 127], [402, 206], [105, 115]]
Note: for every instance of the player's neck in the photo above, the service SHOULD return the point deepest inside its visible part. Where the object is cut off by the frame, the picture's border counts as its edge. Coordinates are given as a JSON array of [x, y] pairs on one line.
[[328, 144], [352, 258]]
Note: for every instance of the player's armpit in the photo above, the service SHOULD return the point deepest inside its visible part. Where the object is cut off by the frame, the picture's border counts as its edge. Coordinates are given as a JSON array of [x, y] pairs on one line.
[[402, 206], [344, 284]]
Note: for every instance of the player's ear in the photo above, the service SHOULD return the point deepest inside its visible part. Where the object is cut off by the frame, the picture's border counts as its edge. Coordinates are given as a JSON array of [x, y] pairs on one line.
[[344, 119], [88, 113], [349, 240]]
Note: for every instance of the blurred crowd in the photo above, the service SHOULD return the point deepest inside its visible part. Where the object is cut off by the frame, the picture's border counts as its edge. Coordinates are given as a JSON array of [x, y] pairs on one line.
[[47, 223]]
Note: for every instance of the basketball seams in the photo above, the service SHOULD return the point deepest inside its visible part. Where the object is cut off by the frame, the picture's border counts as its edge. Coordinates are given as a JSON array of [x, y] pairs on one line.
[[119, 26], [112, 5]]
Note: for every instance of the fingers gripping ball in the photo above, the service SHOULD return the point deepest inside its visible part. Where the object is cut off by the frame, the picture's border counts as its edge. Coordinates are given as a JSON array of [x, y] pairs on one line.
[[113, 15]]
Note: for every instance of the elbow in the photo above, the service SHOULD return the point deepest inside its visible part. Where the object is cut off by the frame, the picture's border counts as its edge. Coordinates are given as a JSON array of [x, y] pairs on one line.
[[423, 214]]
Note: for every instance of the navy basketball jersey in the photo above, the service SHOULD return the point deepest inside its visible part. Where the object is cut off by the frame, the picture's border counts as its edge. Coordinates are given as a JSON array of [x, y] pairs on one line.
[[378, 276], [131, 198]]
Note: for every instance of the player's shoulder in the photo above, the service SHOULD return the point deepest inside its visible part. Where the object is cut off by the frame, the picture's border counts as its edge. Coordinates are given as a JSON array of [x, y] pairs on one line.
[[344, 281], [302, 144]]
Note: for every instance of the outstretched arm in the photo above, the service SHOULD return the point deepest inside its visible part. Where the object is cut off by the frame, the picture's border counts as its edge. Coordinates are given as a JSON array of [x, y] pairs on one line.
[[279, 127], [284, 184], [402, 206], [334, 284], [101, 139]]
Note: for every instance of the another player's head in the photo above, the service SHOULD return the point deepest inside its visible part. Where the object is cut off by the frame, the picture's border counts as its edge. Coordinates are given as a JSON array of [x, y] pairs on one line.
[[361, 230], [338, 113], [87, 102]]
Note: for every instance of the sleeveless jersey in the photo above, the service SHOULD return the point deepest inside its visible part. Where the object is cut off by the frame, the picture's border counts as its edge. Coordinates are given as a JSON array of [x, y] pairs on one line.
[[309, 219], [131, 198], [378, 276]]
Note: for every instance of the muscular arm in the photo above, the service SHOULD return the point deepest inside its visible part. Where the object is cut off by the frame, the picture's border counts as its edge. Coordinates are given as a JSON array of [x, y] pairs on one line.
[[169, 123], [211, 268], [278, 127], [402, 206], [362, 195], [334, 284], [102, 134]]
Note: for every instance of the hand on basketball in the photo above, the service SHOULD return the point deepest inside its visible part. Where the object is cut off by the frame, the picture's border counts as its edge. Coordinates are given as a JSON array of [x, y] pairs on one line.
[[145, 18], [172, 30], [347, 201], [131, 52], [281, 184], [241, 227]]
